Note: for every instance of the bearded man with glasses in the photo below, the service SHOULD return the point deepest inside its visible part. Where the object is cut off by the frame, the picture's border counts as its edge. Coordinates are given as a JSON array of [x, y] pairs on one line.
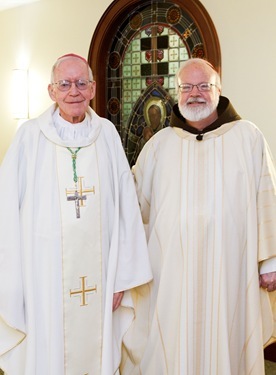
[[72, 242], [206, 187]]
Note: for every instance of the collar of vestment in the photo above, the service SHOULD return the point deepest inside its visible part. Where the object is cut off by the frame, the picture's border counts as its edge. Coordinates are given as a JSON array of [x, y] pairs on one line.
[[85, 133], [226, 114], [68, 131]]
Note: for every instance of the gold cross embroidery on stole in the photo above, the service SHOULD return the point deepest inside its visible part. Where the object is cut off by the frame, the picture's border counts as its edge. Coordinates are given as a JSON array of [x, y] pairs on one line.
[[83, 290]]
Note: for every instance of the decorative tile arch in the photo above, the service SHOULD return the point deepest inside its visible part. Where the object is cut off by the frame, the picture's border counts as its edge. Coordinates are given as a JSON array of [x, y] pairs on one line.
[[134, 53]]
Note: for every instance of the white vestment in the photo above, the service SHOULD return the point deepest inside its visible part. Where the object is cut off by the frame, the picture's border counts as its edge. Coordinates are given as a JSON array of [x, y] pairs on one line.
[[210, 211], [59, 271]]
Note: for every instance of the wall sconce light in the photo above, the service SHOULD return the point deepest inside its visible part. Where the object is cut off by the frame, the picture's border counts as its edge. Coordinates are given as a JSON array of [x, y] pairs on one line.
[[20, 92]]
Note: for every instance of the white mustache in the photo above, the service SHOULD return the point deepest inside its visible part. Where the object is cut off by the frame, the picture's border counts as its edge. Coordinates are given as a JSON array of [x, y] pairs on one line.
[[195, 100]]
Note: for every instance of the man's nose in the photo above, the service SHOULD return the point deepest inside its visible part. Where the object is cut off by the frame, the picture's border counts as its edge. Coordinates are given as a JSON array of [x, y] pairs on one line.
[[195, 88], [74, 88]]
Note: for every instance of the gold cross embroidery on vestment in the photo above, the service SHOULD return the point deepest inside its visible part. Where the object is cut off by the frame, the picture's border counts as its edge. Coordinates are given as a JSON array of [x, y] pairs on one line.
[[83, 291]]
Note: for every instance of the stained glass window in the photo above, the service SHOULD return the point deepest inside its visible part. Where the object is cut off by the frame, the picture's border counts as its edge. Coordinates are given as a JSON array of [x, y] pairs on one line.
[[144, 54]]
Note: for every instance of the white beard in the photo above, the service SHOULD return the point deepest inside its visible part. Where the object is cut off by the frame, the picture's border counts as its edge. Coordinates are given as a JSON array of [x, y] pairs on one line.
[[200, 112]]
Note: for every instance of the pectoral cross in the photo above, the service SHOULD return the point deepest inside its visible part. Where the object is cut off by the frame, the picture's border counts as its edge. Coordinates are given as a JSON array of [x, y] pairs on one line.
[[83, 290], [76, 194]]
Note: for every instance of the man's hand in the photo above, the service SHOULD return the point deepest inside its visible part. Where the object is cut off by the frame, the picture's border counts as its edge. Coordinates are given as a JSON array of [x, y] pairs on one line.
[[268, 281], [117, 298]]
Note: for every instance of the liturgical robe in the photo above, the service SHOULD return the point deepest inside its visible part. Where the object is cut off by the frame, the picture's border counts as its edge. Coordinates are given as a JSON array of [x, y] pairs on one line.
[[71, 235], [209, 206]]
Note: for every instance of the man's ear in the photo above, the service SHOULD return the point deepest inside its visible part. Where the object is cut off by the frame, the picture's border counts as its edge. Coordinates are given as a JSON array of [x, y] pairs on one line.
[[51, 92], [93, 90]]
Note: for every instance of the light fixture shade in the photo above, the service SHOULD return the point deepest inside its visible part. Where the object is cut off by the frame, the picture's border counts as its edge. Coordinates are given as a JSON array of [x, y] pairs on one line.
[[20, 99]]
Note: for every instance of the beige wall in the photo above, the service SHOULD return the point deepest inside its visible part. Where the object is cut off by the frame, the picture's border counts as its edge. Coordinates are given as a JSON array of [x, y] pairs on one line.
[[35, 35]]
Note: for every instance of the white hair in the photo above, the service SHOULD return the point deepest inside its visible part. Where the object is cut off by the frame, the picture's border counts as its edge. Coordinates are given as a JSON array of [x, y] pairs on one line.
[[61, 59]]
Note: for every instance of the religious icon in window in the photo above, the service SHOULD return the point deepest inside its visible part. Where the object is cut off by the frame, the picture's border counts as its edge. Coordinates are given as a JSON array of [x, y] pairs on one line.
[[154, 115], [149, 115]]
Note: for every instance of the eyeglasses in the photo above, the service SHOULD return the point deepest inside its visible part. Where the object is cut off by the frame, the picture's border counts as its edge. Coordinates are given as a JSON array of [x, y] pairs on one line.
[[64, 85], [188, 87]]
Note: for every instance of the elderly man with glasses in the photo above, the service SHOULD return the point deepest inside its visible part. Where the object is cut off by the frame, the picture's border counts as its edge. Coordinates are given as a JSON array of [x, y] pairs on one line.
[[72, 242], [206, 187]]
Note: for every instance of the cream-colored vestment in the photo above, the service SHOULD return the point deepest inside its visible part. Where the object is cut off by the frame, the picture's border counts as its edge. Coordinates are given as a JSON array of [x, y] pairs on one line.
[[210, 211]]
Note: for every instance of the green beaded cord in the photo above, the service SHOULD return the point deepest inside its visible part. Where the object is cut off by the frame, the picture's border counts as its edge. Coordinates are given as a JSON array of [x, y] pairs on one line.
[[74, 157]]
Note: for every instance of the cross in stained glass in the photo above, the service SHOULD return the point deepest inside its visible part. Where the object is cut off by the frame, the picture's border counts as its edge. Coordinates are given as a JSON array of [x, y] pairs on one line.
[[135, 58], [136, 70], [173, 40], [127, 96]]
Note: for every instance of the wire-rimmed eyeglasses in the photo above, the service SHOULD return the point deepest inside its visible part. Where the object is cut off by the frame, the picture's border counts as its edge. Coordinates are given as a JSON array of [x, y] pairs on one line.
[[65, 85], [203, 86]]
